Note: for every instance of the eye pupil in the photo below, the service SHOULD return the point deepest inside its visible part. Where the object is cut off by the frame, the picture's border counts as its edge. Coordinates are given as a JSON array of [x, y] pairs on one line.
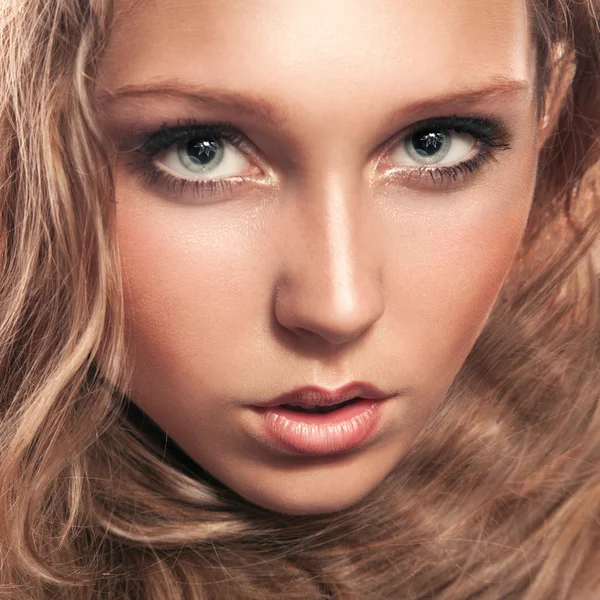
[[427, 144], [201, 154], [202, 151]]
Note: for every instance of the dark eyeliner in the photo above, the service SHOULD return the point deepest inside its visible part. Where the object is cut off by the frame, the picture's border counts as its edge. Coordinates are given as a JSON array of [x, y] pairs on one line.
[[167, 136], [156, 142], [490, 134]]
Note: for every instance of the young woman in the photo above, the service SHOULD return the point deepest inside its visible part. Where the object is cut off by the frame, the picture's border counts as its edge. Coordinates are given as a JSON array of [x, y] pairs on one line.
[[299, 299]]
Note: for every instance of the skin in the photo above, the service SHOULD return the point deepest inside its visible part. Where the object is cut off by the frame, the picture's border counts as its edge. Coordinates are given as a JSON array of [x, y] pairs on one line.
[[325, 266]]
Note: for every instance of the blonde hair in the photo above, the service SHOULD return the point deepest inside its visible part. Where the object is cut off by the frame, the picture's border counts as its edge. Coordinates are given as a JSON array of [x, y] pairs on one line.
[[499, 497]]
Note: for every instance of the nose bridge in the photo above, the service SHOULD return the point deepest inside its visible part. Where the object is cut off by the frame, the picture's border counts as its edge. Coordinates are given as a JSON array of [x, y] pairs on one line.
[[331, 269]]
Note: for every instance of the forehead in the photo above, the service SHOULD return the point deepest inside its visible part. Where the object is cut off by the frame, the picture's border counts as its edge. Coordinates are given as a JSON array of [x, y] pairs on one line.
[[313, 54]]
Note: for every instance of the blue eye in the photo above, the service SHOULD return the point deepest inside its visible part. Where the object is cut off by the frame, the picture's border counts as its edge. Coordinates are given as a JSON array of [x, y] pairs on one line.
[[199, 153], [209, 158], [429, 144], [202, 157], [435, 147], [444, 150]]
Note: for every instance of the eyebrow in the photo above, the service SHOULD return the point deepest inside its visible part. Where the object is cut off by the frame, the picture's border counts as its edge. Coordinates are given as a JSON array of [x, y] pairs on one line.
[[252, 105], [211, 97]]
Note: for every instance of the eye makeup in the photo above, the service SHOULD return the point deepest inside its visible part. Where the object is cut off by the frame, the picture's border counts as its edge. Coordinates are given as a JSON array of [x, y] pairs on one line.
[[425, 146], [487, 137], [156, 143]]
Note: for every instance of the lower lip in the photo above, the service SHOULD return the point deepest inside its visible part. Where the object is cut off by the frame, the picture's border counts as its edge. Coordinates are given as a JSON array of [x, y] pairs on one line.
[[319, 434]]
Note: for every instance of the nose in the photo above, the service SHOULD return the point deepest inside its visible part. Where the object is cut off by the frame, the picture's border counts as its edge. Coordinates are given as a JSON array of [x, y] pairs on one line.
[[330, 286]]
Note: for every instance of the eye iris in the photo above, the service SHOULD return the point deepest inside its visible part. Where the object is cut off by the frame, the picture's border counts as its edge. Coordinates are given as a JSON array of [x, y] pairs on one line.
[[428, 144], [198, 153]]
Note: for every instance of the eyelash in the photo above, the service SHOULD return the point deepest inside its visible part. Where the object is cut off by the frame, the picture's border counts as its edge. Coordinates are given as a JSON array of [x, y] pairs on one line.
[[490, 135], [165, 137]]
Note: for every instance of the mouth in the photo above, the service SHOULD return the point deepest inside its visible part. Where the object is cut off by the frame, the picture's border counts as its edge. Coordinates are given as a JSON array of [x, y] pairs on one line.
[[321, 400], [307, 431], [315, 421], [319, 409]]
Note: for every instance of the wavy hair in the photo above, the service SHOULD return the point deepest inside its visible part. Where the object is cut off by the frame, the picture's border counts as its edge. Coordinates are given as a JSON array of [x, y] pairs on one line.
[[498, 498]]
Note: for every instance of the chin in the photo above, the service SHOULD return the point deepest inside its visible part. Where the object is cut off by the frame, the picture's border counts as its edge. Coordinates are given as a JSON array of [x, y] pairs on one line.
[[308, 495], [309, 505]]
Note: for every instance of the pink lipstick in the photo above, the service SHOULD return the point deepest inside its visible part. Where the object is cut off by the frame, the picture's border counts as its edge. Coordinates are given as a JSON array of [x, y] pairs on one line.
[[314, 421]]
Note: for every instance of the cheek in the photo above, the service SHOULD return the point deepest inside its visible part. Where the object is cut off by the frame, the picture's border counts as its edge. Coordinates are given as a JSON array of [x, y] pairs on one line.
[[193, 293], [454, 264]]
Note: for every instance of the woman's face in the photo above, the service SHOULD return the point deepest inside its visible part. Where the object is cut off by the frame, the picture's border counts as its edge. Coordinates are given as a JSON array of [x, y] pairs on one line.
[[352, 219]]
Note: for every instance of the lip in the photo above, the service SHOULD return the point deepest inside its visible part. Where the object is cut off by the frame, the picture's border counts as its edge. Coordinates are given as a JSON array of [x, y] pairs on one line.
[[318, 396], [323, 434]]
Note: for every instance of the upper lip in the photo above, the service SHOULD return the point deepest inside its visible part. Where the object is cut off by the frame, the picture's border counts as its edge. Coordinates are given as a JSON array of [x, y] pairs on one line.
[[310, 396]]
